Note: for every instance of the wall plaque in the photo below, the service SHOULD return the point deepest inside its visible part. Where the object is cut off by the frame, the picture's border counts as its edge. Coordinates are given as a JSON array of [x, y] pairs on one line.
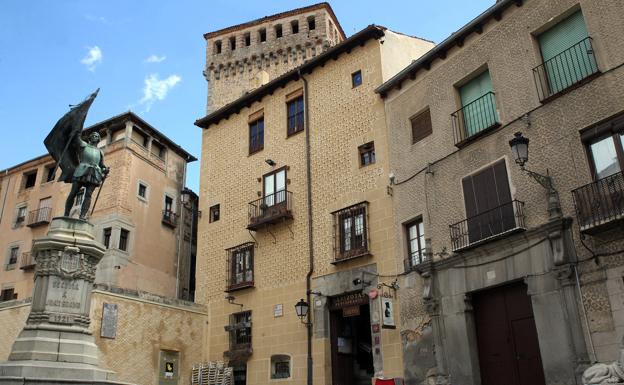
[[387, 311], [109, 320]]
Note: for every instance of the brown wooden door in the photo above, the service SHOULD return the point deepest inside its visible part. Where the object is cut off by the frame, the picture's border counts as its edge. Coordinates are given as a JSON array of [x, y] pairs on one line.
[[507, 337]]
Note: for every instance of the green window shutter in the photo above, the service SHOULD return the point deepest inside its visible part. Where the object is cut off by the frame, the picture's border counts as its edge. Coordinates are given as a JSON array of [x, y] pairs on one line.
[[478, 105], [567, 53]]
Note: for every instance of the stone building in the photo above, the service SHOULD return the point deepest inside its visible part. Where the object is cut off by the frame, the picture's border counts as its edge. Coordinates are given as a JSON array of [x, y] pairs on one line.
[[149, 234], [243, 57], [501, 285], [293, 191]]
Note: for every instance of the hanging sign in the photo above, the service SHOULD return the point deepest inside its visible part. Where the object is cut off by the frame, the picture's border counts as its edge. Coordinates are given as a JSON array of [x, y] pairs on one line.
[[387, 313]]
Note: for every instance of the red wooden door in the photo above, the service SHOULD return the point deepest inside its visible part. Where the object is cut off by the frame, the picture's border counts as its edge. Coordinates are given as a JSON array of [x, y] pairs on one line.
[[507, 337]]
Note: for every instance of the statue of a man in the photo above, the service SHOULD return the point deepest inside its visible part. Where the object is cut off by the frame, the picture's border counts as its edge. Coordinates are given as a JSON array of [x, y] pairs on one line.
[[81, 163], [89, 174]]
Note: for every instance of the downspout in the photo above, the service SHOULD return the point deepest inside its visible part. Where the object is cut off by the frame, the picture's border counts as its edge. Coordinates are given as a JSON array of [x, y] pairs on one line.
[[180, 234], [310, 232]]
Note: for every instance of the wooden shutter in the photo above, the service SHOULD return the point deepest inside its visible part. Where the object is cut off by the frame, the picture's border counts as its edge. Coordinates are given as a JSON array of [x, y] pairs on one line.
[[421, 126]]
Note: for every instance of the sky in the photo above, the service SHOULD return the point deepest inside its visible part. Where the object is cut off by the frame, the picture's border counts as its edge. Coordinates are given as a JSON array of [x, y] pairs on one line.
[[147, 56]]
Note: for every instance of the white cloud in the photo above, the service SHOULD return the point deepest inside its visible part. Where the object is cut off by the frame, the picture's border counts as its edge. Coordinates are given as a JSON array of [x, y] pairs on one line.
[[93, 58], [155, 59], [156, 89]]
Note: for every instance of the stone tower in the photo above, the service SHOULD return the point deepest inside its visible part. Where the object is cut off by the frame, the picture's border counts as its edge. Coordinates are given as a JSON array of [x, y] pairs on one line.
[[243, 57]]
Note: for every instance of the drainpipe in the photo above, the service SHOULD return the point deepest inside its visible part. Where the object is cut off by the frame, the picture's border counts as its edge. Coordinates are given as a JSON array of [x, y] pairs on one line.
[[310, 233]]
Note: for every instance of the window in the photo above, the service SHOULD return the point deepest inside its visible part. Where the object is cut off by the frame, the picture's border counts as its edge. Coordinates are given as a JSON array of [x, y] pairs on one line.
[[567, 56], [247, 39], [351, 232], [214, 213], [415, 242], [274, 187], [240, 266], [280, 366], [311, 23], [217, 46], [607, 155], [487, 197], [294, 26], [233, 43], [262, 35], [240, 330], [256, 135], [278, 31], [50, 173], [30, 179], [8, 294], [367, 153], [123, 239], [142, 193], [421, 126], [295, 115], [20, 216], [107, 237], [356, 78], [13, 255], [168, 203], [478, 111]]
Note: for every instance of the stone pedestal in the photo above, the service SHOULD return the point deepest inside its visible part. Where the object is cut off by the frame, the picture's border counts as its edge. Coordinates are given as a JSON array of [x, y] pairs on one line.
[[56, 346]]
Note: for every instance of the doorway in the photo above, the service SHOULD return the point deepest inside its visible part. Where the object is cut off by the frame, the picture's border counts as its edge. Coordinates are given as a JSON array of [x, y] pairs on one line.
[[506, 337], [351, 343]]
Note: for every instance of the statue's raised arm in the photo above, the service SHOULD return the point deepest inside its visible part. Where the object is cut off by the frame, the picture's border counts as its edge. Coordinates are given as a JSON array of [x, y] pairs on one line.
[[81, 163]]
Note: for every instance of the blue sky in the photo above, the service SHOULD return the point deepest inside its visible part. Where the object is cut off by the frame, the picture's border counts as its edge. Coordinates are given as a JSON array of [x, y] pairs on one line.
[[148, 56]]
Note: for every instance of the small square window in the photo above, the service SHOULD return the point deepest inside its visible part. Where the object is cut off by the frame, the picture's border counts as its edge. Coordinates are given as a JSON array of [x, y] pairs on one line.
[[123, 239], [8, 294], [262, 34], [142, 193], [421, 126], [356, 78], [30, 179], [367, 153], [294, 26], [107, 236], [278, 31], [215, 212], [280, 366]]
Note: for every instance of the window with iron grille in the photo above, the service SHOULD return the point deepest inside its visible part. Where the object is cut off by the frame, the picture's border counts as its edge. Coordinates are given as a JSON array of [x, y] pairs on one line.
[[240, 266], [240, 330], [351, 232], [256, 135], [415, 242], [8, 294], [295, 115]]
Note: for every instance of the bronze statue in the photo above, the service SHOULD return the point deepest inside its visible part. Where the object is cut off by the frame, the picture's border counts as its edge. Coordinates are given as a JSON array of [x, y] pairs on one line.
[[81, 163]]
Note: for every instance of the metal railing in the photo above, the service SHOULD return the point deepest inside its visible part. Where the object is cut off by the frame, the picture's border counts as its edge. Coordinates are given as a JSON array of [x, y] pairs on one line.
[[475, 117], [240, 330], [170, 218], [40, 216], [565, 69], [270, 208], [27, 260], [488, 224], [600, 202]]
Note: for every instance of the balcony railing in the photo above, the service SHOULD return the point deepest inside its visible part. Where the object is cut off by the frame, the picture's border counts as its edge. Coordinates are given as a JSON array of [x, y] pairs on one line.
[[39, 217], [600, 203], [169, 218], [270, 209], [27, 261], [566, 69], [487, 225], [475, 118]]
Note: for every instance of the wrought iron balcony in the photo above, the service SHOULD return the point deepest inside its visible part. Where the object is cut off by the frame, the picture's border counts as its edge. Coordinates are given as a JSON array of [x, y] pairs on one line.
[[566, 69], [39, 217], [475, 118], [27, 261], [490, 224], [169, 218], [600, 204], [270, 209]]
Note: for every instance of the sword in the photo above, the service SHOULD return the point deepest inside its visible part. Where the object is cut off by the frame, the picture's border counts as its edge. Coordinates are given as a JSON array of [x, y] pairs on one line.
[[98, 195]]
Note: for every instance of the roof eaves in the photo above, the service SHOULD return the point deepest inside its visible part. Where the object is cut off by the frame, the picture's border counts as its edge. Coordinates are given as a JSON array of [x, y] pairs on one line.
[[456, 38]]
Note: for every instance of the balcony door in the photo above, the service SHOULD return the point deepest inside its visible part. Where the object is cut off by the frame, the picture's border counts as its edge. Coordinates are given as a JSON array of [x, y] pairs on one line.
[[487, 197], [45, 208], [275, 187], [478, 104]]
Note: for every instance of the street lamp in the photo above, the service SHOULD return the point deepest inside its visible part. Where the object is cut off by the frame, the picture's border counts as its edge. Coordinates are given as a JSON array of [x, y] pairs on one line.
[[302, 308], [520, 150]]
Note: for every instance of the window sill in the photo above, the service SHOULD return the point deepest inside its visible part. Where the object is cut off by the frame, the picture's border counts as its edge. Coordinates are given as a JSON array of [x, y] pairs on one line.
[[255, 151], [339, 260], [291, 134], [240, 286]]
